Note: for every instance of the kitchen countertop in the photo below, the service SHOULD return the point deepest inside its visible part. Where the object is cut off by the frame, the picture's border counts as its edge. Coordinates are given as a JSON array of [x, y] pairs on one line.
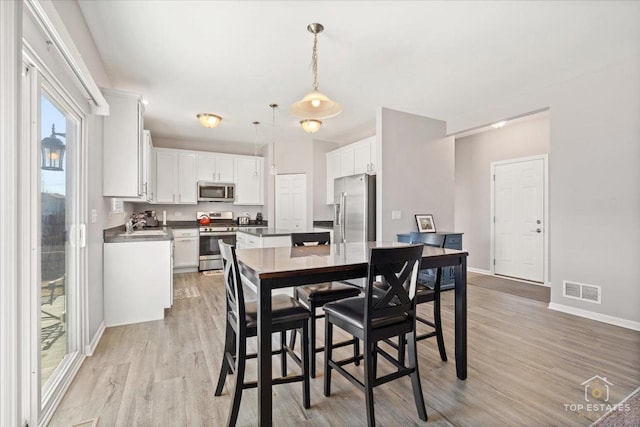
[[112, 235], [269, 232]]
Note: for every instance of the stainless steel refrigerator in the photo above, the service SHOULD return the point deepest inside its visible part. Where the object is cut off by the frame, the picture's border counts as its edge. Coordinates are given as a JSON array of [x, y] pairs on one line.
[[354, 218]]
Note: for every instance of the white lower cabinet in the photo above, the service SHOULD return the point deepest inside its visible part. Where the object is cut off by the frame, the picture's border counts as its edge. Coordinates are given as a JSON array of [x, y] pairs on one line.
[[186, 242], [138, 281], [248, 240]]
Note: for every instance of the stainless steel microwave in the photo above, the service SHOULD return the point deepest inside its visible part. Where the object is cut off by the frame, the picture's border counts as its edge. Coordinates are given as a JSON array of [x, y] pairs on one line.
[[216, 192]]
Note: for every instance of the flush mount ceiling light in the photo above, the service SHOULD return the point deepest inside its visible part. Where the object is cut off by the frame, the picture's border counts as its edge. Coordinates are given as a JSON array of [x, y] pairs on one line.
[[209, 120], [315, 104], [498, 125], [311, 125]]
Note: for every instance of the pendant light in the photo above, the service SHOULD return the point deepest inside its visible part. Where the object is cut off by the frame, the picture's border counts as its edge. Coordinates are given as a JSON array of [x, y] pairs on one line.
[[52, 150], [255, 150], [274, 170], [315, 105]]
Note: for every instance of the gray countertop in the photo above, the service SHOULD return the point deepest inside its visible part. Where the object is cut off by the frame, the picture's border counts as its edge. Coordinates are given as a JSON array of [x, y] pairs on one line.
[[269, 231], [113, 235]]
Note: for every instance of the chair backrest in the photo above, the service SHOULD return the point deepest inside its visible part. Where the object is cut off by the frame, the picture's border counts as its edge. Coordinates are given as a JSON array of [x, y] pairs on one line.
[[398, 267], [232, 282], [428, 239], [305, 239]]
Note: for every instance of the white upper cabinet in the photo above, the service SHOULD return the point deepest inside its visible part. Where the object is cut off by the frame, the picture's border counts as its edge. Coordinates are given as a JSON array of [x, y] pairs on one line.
[[213, 167], [176, 179], [249, 173], [123, 147], [352, 159]]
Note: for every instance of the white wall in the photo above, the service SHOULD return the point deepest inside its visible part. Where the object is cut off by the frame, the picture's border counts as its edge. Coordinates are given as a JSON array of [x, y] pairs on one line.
[[212, 146], [321, 211], [416, 172], [594, 181], [473, 157]]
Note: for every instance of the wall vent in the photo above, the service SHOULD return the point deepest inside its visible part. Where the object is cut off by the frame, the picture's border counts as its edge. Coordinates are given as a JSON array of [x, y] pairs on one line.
[[581, 291]]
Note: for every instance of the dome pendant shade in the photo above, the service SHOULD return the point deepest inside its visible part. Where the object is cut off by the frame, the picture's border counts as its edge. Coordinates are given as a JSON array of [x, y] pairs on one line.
[[311, 125], [315, 105], [209, 120]]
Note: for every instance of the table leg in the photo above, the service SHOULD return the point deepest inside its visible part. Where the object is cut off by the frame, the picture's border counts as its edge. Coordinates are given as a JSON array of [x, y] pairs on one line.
[[264, 354], [461, 318]]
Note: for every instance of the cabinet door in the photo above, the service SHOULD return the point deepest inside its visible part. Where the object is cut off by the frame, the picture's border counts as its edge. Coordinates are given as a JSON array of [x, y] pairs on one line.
[[291, 202], [373, 155], [165, 172], [224, 168], [206, 167], [186, 252], [146, 166], [187, 192], [333, 172], [346, 161], [122, 146], [249, 180], [361, 157]]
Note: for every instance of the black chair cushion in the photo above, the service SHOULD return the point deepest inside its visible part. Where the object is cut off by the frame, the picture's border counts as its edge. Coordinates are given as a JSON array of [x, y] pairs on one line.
[[329, 291], [351, 311], [283, 307], [424, 294]]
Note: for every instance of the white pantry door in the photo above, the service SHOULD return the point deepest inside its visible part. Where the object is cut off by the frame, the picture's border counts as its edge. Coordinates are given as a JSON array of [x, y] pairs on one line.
[[291, 202], [518, 216]]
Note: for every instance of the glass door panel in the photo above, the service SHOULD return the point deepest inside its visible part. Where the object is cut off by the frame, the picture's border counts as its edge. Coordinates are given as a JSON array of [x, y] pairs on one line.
[[58, 271]]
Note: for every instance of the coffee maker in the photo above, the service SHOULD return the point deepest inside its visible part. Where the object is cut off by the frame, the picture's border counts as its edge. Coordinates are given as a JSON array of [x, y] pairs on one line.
[[150, 218], [259, 218]]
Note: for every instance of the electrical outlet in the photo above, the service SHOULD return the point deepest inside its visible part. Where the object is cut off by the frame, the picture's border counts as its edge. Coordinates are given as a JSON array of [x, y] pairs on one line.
[[396, 215]]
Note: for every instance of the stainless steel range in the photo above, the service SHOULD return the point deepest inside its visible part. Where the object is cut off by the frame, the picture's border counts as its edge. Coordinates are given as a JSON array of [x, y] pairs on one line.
[[220, 226]]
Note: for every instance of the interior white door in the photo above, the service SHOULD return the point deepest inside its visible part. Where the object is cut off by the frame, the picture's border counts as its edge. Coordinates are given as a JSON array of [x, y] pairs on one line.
[[518, 216], [291, 202]]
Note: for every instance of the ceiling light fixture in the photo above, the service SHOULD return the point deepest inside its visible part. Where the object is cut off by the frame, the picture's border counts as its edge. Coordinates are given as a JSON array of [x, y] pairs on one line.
[[498, 125], [209, 120], [315, 104], [311, 125]]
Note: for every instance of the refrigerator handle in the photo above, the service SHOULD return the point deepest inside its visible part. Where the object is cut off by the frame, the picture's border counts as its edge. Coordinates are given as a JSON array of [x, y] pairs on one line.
[[343, 200], [336, 213]]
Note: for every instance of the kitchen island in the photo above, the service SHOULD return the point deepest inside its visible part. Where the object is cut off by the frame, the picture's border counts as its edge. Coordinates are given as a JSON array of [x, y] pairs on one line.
[[265, 237]]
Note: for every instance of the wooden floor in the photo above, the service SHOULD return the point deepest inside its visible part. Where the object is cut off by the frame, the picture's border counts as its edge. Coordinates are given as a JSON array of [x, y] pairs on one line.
[[526, 363]]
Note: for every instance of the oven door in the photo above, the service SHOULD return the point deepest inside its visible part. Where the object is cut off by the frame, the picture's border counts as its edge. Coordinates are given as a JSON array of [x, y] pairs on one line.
[[210, 258]]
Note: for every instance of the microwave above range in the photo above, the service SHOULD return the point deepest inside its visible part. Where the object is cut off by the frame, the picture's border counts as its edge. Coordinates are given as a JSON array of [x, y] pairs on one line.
[[216, 192]]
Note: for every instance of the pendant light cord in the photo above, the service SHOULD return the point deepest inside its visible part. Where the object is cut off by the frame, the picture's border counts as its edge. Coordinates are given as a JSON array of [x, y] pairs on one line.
[[314, 61]]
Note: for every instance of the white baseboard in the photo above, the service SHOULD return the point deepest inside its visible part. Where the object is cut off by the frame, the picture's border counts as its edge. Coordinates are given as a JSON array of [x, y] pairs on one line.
[[89, 349], [605, 318], [479, 271]]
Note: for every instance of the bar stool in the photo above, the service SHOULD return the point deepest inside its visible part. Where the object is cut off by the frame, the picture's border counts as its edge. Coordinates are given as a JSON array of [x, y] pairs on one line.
[[288, 314], [379, 315], [317, 295]]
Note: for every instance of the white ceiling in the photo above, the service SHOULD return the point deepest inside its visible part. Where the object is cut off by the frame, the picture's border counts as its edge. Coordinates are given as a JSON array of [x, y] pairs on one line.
[[438, 59]]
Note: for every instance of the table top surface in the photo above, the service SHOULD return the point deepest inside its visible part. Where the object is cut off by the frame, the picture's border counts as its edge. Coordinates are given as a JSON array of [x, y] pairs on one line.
[[266, 262]]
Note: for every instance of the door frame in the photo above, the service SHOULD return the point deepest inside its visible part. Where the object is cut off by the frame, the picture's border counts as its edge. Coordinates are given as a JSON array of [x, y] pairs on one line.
[[545, 221], [38, 79]]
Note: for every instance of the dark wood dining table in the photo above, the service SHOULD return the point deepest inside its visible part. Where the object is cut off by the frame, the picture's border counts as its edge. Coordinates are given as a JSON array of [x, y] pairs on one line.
[[274, 268]]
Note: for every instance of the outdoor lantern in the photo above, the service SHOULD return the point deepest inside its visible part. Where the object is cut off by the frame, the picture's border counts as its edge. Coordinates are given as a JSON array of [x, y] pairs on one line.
[[52, 151]]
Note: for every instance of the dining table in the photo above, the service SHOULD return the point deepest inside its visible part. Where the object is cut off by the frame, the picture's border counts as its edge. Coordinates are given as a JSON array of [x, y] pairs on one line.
[[266, 269]]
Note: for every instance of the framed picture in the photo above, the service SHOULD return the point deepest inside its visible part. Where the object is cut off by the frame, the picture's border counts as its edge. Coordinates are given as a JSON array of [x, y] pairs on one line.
[[426, 224]]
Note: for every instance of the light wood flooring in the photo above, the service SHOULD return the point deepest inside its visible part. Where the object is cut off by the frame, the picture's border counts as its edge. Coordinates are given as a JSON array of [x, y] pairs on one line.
[[525, 364]]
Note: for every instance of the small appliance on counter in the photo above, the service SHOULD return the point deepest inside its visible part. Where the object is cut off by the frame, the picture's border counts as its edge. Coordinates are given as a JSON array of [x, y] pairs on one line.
[[150, 218], [243, 220], [259, 218]]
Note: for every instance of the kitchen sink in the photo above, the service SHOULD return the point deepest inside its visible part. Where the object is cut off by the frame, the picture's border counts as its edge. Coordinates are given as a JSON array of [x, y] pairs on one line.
[[144, 233]]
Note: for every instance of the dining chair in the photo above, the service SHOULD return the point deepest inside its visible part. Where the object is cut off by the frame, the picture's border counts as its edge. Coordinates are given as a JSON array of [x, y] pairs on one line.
[[317, 295], [287, 314], [379, 315]]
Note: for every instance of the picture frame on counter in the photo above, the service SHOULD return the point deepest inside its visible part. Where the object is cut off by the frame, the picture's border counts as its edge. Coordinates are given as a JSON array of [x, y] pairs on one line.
[[426, 224]]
